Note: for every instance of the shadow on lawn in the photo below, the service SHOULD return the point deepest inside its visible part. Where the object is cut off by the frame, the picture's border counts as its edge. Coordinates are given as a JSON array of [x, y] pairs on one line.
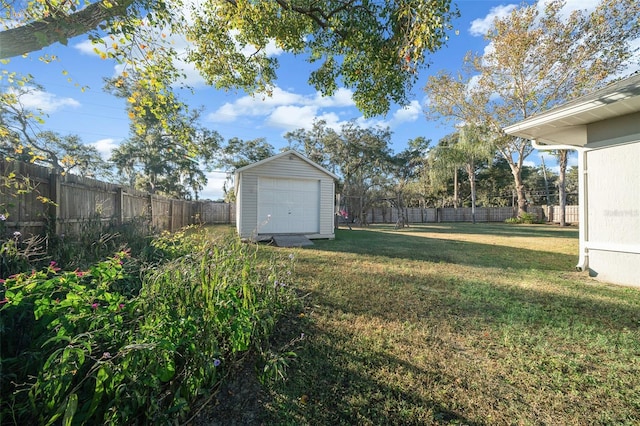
[[403, 246], [334, 383], [405, 298], [483, 228], [334, 380]]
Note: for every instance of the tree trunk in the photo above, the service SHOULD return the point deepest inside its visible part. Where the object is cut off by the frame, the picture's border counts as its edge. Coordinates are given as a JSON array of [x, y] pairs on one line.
[[472, 185], [455, 189], [520, 193], [37, 35], [562, 185]]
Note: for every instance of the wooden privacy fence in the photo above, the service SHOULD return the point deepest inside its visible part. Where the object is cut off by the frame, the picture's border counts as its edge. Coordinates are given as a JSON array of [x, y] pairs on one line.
[[463, 214], [65, 204]]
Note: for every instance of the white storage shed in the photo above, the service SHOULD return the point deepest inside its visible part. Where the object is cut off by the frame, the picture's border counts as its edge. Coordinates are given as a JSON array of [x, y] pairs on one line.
[[285, 194]]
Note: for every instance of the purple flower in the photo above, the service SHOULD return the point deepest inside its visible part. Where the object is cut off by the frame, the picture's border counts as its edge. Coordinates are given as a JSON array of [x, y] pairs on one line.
[[216, 362], [3, 217], [94, 305], [106, 355]]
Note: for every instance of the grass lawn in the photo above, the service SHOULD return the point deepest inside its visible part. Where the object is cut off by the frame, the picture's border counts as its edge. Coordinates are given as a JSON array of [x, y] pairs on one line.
[[457, 324]]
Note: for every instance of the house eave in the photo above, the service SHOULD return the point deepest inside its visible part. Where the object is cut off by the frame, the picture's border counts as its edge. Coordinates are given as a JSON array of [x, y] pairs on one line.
[[567, 124]]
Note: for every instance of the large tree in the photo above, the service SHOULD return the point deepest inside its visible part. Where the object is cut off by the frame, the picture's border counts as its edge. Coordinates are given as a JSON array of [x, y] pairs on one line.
[[470, 148], [537, 57], [563, 160], [444, 165], [405, 169], [373, 47], [316, 143], [21, 138], [238, 153], [360, 156], [167, 155]]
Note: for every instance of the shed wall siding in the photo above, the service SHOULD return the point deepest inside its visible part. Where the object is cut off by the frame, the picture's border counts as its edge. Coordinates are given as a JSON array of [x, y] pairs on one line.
[[283, 167], [327, 202]]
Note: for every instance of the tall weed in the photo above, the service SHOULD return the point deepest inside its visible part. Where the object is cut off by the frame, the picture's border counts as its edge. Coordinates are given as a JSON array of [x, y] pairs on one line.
[[83, 351]]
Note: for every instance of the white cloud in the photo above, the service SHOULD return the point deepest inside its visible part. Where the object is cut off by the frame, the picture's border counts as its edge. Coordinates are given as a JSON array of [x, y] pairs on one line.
[[292, 117], [342, 98], [409, 113], [280, 103], [480, 26], [105, 147], [258, 105], [85, 47], [289, 111], [46, 102]]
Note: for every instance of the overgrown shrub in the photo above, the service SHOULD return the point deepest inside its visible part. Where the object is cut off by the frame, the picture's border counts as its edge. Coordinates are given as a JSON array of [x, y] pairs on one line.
[[79, 351], [98, 239], [528, 218]]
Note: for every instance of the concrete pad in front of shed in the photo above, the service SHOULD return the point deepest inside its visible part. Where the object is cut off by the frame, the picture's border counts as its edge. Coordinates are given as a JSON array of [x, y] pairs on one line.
[[291, 241]]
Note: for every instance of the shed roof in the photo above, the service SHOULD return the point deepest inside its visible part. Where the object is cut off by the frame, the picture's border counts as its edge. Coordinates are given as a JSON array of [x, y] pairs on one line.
[[284, 154], [567, 123]]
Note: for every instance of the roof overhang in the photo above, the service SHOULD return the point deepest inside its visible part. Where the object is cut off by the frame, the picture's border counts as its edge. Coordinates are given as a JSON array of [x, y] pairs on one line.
[[290, 153], [567, 123]]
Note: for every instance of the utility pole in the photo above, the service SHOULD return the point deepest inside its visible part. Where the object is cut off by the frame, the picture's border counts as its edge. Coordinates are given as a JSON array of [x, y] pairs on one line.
[[546, 183]]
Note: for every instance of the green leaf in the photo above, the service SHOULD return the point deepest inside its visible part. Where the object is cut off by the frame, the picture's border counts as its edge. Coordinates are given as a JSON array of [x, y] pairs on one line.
[[70, 411], [168, 369]]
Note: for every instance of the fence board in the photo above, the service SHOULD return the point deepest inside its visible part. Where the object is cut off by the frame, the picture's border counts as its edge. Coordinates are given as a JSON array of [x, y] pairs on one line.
[[461, 214], [80, 201]]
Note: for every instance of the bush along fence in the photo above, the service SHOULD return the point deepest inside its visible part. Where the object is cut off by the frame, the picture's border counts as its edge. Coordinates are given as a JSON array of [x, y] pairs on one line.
[[34, 199]]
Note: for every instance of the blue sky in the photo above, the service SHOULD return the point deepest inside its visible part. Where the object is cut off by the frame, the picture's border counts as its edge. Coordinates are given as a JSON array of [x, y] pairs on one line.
[[100, 119]]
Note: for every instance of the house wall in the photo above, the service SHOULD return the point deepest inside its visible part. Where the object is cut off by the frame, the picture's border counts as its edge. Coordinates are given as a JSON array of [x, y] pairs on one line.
[[612, 194], [625, 128], [247, 220]]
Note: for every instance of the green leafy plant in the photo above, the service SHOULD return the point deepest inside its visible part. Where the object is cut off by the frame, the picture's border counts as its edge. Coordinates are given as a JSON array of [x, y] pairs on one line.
[[81, 350], [527, 218]]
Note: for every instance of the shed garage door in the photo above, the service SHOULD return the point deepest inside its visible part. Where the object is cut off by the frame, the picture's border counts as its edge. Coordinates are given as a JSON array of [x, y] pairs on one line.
[[292, 205]]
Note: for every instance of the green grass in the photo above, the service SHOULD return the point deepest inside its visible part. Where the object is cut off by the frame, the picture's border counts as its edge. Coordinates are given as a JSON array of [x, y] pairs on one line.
[[457, 324]]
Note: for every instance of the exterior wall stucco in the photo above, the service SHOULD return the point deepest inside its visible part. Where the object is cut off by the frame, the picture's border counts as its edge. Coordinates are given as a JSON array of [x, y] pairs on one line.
[[287, 166], [616, 130], [612, 190]]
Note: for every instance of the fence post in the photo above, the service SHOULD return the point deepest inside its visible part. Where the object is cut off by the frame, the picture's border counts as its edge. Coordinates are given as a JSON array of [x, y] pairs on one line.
[[171, 216], [54, 207], [151, 218], [118, 210]]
